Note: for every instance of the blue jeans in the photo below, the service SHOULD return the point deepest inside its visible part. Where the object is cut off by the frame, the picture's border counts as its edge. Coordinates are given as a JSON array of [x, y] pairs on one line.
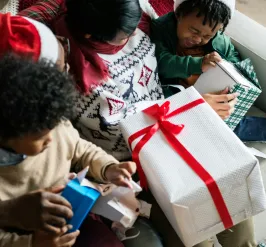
[[251, 129]]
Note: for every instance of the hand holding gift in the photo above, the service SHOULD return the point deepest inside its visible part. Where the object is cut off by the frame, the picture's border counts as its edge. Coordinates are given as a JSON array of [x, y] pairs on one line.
[[120, 174], [210, 60], [43, 239], [222, 102], [43, 210]]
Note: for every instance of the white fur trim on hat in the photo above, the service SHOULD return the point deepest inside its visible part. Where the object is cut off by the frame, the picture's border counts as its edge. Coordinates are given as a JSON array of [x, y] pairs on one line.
[[230, 3], [49, 43]]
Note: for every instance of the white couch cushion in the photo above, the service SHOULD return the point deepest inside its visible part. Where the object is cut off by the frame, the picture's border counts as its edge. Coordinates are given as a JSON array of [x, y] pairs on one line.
[[249, 37]]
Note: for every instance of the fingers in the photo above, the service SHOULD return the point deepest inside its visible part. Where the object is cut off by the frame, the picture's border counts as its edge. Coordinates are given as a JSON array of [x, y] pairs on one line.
[[123, 179], [72, 176], [57, 199], [129, 166], [56, 221], [226, 97], [59, 210], [68, 239], [56, 190]]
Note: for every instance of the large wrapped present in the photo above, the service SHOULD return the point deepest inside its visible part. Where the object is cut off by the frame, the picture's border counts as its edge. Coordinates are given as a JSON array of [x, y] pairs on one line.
[[240, 78], [203, 177]]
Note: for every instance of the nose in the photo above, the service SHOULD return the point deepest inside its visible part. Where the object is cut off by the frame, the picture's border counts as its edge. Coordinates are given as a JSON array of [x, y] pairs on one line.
[[197, 39]]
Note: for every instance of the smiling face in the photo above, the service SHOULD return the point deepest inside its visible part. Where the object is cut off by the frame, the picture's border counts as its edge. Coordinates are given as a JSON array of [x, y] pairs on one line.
[[192, 33], [31, 144]]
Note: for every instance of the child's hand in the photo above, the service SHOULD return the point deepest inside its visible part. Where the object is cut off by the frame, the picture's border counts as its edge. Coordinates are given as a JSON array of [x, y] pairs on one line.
[[210, 60], [222, 102], [120, 174], [42, 210], [43, 239]]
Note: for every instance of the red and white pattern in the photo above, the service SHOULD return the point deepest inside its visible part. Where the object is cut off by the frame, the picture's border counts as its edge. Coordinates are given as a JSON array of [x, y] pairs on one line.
[[133, 86], [114, 105]]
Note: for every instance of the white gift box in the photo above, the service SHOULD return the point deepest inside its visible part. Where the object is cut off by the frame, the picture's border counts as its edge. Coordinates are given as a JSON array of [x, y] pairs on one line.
[[118, 204], [182, 195]]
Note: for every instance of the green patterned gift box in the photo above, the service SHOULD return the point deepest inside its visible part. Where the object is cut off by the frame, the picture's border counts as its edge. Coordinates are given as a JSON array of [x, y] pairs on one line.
[[247, 94]]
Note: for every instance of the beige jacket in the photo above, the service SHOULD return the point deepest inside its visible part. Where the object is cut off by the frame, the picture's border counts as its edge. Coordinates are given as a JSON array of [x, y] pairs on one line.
[[50, 168]]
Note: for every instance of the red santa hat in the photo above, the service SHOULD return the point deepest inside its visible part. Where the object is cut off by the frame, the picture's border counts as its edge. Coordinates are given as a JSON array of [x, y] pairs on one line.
[[26, 37], [230, 3]]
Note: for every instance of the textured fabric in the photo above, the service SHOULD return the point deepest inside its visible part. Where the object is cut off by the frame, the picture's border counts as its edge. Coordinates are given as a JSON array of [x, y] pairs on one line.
[[142, 235], [134, 82], [27, 37], [9, 158], [162, 7], [44, 11], [172, 67], [252, 129], [86, 65], [48, 169], [24, 4], [94, 233], [241, 235], [9, 6], [188, 206]]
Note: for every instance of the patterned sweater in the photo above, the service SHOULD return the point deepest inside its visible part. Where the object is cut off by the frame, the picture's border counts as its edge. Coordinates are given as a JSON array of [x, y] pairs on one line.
[[134, 85]]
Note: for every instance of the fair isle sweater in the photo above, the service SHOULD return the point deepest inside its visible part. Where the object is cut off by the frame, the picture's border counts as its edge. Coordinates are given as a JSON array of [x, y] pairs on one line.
[[133, 85]]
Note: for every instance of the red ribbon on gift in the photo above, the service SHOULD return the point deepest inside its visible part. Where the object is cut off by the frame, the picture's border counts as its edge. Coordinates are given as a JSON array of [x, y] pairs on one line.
[[160, 113]]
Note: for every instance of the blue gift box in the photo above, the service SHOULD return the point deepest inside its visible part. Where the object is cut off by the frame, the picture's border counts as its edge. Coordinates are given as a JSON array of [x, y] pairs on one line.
[[82, 199]]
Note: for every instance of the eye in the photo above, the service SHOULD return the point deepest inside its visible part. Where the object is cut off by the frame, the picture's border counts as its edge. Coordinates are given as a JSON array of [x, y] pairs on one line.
[[193, 31]]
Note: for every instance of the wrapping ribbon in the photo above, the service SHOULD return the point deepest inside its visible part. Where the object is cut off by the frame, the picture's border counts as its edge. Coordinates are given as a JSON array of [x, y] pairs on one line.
[[160, 113]]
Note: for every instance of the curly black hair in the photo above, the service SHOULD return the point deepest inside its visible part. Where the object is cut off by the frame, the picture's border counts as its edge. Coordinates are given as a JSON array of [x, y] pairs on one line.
[[33, 96], [214, 11]]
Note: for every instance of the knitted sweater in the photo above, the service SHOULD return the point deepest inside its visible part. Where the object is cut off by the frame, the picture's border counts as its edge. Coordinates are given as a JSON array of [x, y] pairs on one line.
[[133, 85], [48, 169]]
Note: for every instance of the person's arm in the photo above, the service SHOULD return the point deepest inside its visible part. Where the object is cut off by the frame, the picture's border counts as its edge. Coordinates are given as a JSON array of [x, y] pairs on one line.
[[232, 54], [43, 11], [8, 239], [170, 65], [88, 154]]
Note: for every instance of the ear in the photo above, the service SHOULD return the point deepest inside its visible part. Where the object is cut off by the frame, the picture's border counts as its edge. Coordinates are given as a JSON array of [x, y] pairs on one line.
[[87, 36]]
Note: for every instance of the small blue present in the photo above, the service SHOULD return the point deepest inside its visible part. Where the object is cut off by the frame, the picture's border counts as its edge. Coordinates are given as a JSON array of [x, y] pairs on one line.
[[82, 198]]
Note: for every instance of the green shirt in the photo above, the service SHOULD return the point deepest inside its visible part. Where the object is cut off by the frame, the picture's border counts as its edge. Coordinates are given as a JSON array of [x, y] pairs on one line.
[[172, 67]]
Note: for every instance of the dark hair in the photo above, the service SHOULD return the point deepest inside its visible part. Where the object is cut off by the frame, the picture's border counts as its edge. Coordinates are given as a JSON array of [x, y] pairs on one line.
[[214, 11], [33, 96], [103, 19]]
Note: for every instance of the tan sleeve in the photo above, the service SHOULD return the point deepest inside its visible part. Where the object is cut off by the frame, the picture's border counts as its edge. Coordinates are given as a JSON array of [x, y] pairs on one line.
[[88, 154], [8, 239]]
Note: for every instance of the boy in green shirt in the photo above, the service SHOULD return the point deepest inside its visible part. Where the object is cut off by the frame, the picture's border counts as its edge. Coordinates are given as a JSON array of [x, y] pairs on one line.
[[190, 41]]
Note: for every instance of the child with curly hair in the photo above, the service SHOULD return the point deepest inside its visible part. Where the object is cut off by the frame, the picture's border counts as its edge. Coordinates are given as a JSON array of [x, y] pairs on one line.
[[38, 147], [190, 41]]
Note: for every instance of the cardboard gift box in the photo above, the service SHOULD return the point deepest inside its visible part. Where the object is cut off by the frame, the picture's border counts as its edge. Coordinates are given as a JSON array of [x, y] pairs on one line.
[[227, 75], [117, 204], [121, 205], [203, 177], [82, 198]]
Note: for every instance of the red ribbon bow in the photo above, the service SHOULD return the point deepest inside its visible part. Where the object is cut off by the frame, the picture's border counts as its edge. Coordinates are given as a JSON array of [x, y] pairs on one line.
[[160, 113]]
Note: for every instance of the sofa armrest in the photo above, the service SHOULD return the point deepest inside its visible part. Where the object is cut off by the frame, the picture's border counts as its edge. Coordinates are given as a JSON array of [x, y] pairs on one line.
[[249, 37]]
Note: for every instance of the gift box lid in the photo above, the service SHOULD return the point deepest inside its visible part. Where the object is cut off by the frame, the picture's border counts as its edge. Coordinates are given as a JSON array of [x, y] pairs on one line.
[[82, 198]]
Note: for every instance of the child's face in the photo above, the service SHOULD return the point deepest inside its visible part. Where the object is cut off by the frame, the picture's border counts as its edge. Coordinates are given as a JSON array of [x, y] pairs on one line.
[[31, 144], [192, 33]]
